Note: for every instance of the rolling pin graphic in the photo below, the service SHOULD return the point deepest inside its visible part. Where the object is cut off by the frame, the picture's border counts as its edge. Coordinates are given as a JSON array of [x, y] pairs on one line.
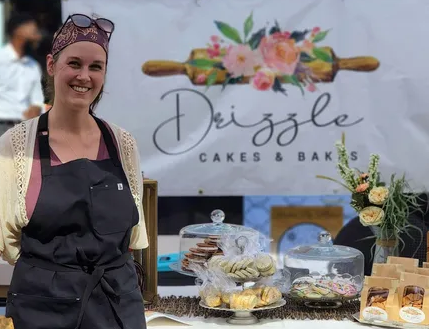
[[322, 71]]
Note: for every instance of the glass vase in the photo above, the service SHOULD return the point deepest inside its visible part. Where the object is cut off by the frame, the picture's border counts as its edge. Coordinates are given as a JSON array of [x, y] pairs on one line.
[[385, 245]]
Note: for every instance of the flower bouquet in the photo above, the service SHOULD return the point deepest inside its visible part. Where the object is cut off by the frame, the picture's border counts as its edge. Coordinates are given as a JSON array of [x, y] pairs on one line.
[[384, 209]]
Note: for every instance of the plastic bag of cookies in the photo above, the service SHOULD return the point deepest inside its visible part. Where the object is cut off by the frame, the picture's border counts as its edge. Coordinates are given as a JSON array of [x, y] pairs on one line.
[[243, 259], [216, 287], [255, 297]]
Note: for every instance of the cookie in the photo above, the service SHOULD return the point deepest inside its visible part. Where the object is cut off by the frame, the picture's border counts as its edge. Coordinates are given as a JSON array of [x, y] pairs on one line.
[[205, 247], [210, 242], [270, 272], [195, 259], [264, 263], [198, 252], [239, 268]]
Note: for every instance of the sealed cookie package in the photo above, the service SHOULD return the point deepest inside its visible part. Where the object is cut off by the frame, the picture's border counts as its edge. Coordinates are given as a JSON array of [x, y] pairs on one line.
[[377, 296], [407, 262], [208, 289], [266, 291], [412, 299], [387, 270], [226, 285], [240, 250]]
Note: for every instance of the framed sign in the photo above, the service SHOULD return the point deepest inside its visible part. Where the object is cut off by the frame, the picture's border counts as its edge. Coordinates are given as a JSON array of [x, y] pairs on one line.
[[285, 218]]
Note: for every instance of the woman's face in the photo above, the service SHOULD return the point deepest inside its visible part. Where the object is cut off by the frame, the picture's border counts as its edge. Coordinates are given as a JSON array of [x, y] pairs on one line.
[[78, 74]]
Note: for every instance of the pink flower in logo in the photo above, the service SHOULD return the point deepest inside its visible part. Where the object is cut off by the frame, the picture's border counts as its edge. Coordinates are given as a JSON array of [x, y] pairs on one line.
[[263, 79], [307, 47], [214, 50], [201, 78], [214, 39], [240, 60], [311, 87], [280, 53]]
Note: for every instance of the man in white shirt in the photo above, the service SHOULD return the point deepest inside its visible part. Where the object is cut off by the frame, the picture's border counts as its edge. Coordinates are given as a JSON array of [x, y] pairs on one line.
[[21, 93]]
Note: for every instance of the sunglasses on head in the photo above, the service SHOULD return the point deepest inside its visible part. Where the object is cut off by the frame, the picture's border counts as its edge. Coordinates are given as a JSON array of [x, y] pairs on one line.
[[83, 21]]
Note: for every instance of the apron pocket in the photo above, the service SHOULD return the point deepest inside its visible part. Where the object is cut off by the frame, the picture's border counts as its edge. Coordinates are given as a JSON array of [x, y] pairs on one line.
[[131, 309], [38, 312], [113, 208]]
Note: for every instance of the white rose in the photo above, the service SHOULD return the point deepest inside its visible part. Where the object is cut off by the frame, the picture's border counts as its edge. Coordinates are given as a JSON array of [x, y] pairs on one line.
[[371, 216], [378, 195]]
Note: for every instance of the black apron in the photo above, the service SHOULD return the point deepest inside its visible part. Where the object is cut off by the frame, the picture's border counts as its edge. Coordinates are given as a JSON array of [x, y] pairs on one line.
[[75, 270]]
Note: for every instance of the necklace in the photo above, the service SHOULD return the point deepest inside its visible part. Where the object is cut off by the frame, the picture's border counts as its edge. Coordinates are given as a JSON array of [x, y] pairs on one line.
[[71, 148]]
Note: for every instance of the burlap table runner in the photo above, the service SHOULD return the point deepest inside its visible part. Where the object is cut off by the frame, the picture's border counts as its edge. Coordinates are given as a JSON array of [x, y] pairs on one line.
[[189, 306]]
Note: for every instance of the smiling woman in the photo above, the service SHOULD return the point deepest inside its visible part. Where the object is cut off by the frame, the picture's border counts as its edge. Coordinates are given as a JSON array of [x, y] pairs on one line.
[[78, 187], [73, 62]]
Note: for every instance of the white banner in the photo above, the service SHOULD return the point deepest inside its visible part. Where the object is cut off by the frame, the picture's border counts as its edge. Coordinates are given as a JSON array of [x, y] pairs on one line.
[[248, 97]]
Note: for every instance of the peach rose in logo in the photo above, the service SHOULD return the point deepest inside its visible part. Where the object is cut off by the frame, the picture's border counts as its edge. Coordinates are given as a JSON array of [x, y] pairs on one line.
[[263, 79], [280, 53], [241, 60]]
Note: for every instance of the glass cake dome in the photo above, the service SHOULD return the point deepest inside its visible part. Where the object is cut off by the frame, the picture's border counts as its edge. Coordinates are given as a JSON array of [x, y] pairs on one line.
[[323, 275], [199, 242]]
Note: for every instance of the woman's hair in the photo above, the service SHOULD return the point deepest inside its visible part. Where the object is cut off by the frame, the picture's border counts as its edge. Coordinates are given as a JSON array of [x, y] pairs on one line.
[[50, 89]]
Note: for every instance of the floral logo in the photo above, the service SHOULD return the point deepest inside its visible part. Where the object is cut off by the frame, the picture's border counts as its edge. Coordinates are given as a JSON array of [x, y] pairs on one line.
[[268, 59]]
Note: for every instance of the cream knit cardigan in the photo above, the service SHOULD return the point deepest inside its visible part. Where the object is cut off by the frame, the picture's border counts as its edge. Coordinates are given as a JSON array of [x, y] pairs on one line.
[[16, 159]]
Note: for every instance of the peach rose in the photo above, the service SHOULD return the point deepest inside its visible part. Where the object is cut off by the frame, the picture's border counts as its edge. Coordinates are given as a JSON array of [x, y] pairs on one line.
[[362, 187], [263, 79], [371, 216], [378, 195], [280, 53]]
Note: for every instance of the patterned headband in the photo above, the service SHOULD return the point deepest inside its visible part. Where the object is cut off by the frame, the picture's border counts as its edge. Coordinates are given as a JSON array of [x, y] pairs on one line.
[[70, 33]]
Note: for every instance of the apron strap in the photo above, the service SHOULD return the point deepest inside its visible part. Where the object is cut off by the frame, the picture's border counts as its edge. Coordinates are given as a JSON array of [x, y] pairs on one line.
[[44, 149], [108, 139]]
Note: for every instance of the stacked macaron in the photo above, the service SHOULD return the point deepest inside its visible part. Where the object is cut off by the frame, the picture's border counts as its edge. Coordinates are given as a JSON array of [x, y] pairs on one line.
[[202, 252]]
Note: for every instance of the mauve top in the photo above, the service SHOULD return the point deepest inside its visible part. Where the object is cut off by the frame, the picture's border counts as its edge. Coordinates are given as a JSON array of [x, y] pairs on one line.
[[35, 183]]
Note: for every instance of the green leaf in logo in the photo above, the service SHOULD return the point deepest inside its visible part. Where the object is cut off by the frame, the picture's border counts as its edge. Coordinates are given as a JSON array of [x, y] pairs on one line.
[[299, 36], [201, 63], [293, 80], [229, 32], [211, 79], [256, 38], [305, 58], [322, 55], [320, 36], [297, 83], [248, 25]]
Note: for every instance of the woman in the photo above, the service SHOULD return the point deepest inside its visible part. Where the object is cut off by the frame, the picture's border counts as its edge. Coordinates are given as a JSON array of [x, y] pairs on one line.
[[71, 199]]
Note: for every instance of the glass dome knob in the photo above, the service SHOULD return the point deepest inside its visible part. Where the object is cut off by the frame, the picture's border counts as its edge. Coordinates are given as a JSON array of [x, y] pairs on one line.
[[325, 237], [217, 216]]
